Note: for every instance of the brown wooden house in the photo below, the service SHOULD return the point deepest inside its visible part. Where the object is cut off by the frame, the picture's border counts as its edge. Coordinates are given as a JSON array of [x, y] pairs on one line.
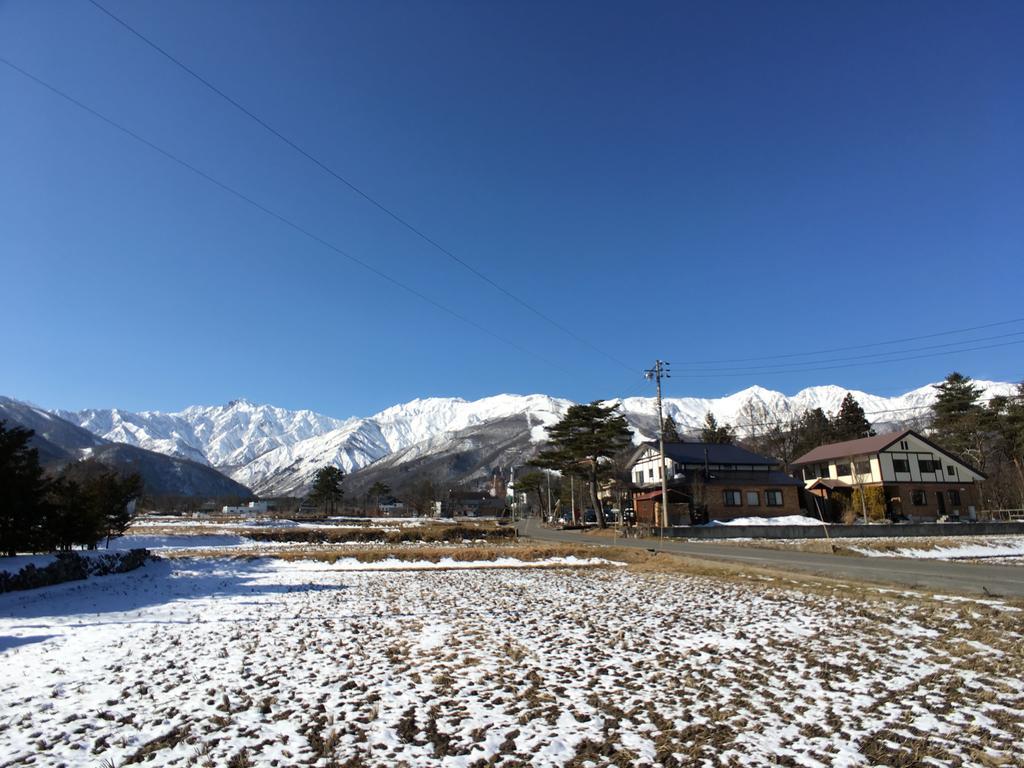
[[709, 481]]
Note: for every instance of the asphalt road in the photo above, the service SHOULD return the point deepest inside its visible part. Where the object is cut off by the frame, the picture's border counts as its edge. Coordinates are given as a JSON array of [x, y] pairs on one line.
[[932, 575]]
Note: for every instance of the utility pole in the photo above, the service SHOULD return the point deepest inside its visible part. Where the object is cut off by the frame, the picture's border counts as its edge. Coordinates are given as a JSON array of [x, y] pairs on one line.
[[661, 369], [548, 476], [572, 497]]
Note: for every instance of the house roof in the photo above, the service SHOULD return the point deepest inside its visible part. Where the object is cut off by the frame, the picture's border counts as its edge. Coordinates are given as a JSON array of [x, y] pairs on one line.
[[849, 448], [831, 484], [741, 478], [672, 492], [717, 453]]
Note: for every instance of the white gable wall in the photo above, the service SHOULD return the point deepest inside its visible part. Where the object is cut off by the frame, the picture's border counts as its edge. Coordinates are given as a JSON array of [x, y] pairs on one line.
[[913, 451]]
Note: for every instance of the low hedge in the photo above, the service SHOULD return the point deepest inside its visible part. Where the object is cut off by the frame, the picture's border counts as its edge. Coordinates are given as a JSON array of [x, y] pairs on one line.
[[430, 534], [71, 566]]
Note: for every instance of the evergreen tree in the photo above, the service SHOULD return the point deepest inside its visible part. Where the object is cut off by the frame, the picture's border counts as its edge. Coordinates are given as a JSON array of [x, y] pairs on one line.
[[22, 491], [327, 490], [671, 431], [1006, 476], [711, 432], [958, 420], [68, 520], [533, 482], [112, 496], [91, 502], [579, 443], [811, 430], [850, 423], [379, 490]]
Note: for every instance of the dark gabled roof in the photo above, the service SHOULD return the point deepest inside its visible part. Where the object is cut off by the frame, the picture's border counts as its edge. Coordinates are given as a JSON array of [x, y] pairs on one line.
[[717, 453], [848, 448], [724, 478], [741, 477]]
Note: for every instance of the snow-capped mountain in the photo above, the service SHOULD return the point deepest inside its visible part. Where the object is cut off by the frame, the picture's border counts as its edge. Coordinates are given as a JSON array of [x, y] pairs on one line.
[[224, 436], [274, 450], [60, 442]]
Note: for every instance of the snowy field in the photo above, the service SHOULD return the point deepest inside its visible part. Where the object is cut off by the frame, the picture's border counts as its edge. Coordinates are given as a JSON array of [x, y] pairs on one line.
[[266, 662]]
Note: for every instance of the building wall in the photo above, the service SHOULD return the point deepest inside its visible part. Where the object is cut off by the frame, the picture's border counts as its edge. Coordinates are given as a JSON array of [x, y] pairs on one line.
[[930, 510], [910, 449], [913, 451], [648, 465], [717, 510], [831, 469]]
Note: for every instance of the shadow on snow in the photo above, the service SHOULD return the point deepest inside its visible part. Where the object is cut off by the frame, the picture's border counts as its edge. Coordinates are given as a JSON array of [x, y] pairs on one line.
[[157, 583]]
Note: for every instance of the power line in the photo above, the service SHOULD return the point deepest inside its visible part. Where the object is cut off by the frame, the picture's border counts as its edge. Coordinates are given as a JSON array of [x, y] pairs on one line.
[[281, 218], [784, 366], [853, 365], [859, 346], [352, 186]]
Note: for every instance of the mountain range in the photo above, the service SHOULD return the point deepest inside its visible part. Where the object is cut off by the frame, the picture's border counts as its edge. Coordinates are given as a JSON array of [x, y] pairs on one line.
[[275, 451], [61, 442]]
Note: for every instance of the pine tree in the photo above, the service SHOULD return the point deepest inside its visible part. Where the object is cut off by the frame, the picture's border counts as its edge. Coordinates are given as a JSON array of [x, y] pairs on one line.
[[91, 502], [67, 520], [1006, 415], [713, 433], [812, 429], [327, 490], [532, 482], [671, 431], [22, 491], [850, 423], [586, 435], [378, 490], [957, 418]]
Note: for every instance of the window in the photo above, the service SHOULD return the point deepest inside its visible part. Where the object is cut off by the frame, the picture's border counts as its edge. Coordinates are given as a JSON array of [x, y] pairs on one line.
[[825, 470], [929, 465], [918, 497], [842, 469], [904, 446], [954, 498], [951, 471], [660, 469], [650, 473], [753, 499], [901, 465], [640, 476], [773, 498], [810, 473], [862, 467], [732, 498]]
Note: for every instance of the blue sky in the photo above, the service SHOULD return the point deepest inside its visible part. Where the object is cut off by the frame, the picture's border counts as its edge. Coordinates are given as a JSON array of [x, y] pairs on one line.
[[689, 181]]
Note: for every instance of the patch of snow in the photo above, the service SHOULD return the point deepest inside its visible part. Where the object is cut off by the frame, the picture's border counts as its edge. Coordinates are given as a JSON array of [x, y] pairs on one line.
[[775, 521]]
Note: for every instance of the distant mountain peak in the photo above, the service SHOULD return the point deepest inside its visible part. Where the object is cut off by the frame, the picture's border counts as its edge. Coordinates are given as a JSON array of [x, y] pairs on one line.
[[276, 450]]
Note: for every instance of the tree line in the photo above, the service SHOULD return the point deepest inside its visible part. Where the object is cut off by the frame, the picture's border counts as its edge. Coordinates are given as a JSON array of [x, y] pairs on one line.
[[986, 434], [85, 503]]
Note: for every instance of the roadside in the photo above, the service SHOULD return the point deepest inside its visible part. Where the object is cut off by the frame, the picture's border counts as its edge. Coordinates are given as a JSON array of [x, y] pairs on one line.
[[936, 576]]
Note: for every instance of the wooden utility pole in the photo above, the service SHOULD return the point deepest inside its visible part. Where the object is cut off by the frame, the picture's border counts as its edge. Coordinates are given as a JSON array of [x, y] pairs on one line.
[[660, 370]]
